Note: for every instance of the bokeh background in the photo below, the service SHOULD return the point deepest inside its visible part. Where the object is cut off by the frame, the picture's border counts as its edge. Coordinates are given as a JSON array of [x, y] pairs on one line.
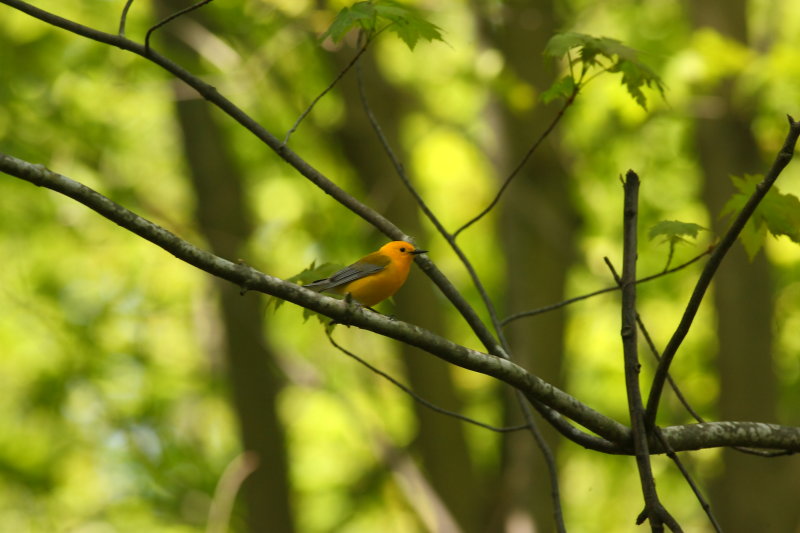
[[131, 381]]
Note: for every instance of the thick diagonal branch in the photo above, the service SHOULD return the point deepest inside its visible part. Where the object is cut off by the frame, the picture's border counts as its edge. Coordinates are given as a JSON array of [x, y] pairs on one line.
[[613, 437], [343, 312], [781, 160]]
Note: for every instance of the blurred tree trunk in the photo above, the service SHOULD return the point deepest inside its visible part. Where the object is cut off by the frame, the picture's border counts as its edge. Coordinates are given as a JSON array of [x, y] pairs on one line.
[[255, 381], [538, 228], [440, 443], [753, 493]]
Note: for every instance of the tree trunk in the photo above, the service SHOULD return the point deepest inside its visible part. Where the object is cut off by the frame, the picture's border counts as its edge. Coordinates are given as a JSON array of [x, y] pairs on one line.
[[753, 493], [538, 228], [255, 380]]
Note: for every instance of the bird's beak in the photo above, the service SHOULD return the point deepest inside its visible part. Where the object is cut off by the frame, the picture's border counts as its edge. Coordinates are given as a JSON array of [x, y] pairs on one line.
[[417, 252]]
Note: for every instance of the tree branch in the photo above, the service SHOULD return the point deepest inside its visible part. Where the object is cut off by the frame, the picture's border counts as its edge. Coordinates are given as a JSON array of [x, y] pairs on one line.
[[413, 395], [340, 310], [331, 85], [781, 160], [718, 434], [309, 172], [654, 350], [123, 18], [678, 393], [654, 511], [617, 437], [688, 477], [552, 307], [169, 19], [521, 164]]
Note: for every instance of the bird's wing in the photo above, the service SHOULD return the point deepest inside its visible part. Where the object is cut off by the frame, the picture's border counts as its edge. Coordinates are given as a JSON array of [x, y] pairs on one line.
[[364, 267]]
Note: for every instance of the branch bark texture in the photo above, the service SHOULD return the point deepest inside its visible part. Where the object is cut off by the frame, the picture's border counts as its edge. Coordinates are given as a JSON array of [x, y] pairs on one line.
[[611, 436]]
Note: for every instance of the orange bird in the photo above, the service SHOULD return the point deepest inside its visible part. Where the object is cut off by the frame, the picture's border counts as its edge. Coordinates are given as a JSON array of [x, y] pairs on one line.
[[374, 277]]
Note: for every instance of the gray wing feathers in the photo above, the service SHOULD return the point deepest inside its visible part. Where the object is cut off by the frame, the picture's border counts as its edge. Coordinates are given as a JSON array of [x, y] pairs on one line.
[[344, 276]]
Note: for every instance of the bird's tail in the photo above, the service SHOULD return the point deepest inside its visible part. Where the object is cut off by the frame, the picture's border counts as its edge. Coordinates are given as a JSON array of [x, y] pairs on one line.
[[319, 285]]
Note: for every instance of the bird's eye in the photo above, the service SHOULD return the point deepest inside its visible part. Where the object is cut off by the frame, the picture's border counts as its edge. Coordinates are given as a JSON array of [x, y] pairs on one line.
[[403, 249]]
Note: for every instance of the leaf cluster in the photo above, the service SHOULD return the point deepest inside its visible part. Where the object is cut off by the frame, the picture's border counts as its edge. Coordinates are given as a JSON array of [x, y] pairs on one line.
[[777, 213], [373, 16], [609, 55]]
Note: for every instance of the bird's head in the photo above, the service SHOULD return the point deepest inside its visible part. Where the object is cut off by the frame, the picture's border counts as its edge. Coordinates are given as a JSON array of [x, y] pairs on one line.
[[400, 250]]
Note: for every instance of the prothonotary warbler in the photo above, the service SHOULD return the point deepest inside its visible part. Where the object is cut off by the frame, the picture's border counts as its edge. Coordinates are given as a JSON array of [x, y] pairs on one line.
[[374, 277]]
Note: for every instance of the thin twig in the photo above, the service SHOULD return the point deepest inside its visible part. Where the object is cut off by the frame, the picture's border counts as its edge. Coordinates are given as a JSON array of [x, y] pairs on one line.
[[781, 160], [654, 511], [547, 454], [688, 477], [169, 19], [501, 350], [654, 350], [522, 162], [332, 84], [483, 333], [551, 307], [124, 17], [414, 396], [670, 255]]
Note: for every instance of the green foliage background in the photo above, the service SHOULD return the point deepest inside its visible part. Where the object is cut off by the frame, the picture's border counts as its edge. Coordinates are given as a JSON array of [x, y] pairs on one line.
[[114, 414]]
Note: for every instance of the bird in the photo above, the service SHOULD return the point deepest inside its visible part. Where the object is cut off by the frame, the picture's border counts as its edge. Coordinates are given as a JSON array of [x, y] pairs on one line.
[[374, 277]]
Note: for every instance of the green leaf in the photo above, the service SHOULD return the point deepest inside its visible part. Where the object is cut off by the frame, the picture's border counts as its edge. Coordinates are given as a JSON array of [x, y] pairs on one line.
[[674, 231], [636, 75], [589, 47], [312, 273], [563, 88], [622, 59], [752, 237], [604, 47], [781, 212], [777, 213], [561, 43], [360, 14], [405, 21], [745, 187]]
